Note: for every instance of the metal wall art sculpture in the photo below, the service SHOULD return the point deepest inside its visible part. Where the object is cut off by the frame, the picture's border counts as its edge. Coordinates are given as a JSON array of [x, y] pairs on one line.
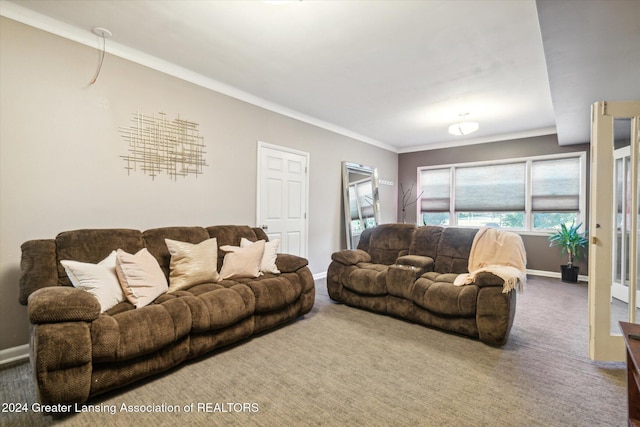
[[158, 145]]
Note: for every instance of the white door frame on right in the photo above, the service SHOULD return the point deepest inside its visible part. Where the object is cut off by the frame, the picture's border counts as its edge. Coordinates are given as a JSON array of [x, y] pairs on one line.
[[605, 345]]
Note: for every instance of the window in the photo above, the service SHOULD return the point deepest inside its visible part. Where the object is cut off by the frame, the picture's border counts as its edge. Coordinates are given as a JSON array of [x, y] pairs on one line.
[[534, 194]]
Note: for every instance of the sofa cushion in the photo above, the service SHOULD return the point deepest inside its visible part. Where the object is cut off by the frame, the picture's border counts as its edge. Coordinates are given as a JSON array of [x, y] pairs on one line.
[[453, 250], [274, 292], [93, 245], [366, 278], [425, 241], [138, 332], [221, 308], [389, 241], [192, 264], [437, 293], [365, 237]]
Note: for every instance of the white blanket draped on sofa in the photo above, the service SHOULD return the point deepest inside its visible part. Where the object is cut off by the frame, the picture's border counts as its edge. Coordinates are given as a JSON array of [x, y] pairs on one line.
[[499, 252]]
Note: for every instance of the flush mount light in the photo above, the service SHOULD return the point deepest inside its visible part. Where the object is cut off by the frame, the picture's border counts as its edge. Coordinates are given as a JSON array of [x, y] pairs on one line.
[[463, 127]]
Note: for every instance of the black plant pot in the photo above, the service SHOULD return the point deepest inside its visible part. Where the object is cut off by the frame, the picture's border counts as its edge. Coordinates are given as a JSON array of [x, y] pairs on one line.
[[569, 274]]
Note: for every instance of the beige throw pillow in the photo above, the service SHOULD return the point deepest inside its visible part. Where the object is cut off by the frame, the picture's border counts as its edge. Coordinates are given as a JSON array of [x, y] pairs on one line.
[[192, 264], [141, 277], [268, 262], [242, 262], [100, 280]]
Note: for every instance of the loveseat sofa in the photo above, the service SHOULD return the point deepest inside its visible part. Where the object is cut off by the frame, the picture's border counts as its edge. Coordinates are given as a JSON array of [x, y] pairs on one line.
[[421, 274], [79, 350]]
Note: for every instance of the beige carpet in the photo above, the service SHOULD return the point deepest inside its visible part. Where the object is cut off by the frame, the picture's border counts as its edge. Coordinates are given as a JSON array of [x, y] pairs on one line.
[[343, 366]]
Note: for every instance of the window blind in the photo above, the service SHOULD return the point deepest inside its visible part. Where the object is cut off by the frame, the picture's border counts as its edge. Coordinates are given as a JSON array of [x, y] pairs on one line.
[[555, 185], [435, 185], [490, 188]]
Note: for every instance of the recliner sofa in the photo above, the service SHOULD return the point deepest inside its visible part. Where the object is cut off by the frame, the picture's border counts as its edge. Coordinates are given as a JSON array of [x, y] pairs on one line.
[[409, 272], [78, 351]]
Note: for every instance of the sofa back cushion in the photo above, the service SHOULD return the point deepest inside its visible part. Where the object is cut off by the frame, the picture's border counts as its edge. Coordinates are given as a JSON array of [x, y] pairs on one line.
[[93, 245], [365, 238], [425, 241], [453, 250], [389, 241]]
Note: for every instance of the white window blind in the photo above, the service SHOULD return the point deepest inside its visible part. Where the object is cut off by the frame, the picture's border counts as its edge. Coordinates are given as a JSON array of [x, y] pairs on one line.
[[555, 185], [490, 188], [435, 185]]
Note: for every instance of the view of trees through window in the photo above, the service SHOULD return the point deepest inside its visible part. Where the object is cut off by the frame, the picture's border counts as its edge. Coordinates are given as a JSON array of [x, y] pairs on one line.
[[513, 220]]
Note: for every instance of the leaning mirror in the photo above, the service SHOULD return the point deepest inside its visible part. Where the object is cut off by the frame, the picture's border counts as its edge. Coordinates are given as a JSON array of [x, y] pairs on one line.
[[361, 202]]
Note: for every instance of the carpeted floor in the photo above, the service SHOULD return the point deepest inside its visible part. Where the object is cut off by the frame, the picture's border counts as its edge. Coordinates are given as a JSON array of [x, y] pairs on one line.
[[340, 366]]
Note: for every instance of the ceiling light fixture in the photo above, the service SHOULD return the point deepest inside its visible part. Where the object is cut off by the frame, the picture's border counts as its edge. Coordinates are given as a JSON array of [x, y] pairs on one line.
[[463, 127]]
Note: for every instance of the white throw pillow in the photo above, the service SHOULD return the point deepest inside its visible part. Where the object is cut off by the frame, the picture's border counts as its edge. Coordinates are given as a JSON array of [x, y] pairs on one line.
[[100, 279], [242, 262], [268, 262], [141, 277], [192, 264]]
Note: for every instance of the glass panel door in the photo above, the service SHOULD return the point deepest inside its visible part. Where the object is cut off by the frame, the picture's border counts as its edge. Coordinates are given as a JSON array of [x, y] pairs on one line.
[[613, 226], [622, 261]]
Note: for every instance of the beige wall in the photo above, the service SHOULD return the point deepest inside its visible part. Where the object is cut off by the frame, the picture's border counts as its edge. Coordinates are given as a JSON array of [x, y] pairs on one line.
[[539, 255], [61, 168]]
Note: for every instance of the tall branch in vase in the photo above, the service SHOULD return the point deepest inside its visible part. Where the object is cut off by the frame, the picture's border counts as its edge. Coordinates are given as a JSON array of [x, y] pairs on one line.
[[408, 200]]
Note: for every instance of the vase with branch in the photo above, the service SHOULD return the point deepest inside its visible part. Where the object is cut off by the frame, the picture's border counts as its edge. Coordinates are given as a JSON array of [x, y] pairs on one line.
[[407, 200]]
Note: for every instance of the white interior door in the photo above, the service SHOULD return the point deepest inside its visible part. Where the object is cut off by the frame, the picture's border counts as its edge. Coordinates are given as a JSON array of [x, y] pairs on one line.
[[283, 188], [613, 226]]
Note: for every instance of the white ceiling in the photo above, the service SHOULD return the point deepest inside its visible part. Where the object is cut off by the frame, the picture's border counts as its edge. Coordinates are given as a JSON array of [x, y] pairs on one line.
[[392, 73]]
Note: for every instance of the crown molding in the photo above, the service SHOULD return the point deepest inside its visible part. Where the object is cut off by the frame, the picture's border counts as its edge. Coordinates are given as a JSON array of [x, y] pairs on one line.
[[473, 141], [87, 38]]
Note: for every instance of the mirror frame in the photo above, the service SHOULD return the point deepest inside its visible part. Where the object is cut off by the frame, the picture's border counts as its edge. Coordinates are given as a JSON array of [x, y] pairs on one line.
[[347, 167]]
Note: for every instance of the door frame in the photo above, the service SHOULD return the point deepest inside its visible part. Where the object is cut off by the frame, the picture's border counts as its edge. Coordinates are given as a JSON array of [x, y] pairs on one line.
[[603, 345], [260, 150]]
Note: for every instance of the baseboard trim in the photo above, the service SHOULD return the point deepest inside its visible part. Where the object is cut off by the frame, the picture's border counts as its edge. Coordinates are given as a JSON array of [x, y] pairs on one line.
[[319, 276], [14, 354], [554, 274]]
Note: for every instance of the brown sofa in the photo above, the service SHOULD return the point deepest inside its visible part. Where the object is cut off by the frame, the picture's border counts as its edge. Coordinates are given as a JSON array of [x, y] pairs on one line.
[[409, 272], [78, 352]]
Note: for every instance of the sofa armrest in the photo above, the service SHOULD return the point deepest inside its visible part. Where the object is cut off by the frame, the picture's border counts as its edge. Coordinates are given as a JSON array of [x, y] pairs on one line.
[[38, 267], [62, 304], [288, 263], [351, 256], [486, 279]]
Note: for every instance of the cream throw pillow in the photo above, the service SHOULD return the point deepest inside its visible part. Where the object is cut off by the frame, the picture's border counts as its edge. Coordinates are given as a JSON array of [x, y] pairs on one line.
[[268, 262], [141, 277], [192, 264], [242, 262], [100, 280]]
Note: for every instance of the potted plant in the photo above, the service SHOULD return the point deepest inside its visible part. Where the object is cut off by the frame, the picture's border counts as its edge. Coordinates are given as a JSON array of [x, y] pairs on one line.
[[572, 242]]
